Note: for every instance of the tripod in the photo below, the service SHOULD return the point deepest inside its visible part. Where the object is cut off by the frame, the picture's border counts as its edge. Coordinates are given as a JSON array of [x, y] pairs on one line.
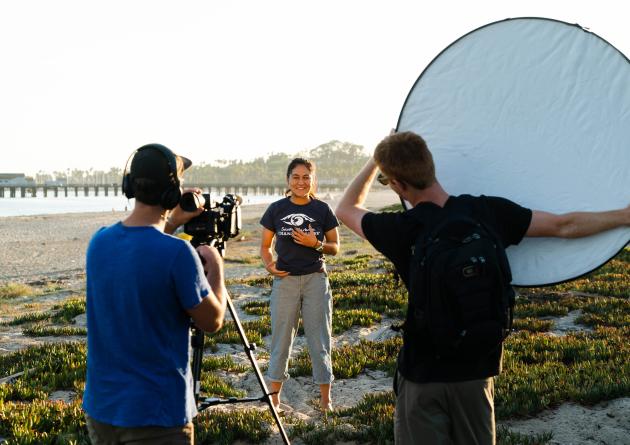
[[197, 341]]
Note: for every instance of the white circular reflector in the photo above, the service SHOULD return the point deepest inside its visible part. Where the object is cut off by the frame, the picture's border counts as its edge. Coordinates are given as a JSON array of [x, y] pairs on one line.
[[537, 111]]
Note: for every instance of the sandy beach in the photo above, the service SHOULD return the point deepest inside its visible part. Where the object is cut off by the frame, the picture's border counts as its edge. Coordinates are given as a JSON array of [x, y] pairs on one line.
[[53, 246]]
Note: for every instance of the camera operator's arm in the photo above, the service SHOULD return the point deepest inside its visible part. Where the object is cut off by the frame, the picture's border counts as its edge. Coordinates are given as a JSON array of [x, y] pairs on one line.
[[576, 224], [350, 209], [208, 315], [178, 216], [267, 255]]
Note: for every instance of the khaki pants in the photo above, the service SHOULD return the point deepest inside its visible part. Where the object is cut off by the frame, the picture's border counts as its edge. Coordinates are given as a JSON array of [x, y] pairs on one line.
[[309, 295], [104, 434], [445, 413]]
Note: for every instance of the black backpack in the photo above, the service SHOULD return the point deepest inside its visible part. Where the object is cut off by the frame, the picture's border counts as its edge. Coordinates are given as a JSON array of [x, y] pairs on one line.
[[460, 297]]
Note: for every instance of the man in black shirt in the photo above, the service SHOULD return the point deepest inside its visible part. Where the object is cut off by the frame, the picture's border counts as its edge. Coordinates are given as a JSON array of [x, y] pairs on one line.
[[445, 401]]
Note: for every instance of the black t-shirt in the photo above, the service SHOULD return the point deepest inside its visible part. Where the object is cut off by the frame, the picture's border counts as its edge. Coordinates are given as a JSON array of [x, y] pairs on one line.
[[282, 216], [393, 234]]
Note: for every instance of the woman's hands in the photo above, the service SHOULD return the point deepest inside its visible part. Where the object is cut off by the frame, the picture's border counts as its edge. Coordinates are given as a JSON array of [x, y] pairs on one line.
[[273, 270], [266, 255], [305, 238]]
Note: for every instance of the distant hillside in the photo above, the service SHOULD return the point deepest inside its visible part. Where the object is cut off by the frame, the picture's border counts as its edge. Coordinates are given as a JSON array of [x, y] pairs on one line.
[[336, 163]]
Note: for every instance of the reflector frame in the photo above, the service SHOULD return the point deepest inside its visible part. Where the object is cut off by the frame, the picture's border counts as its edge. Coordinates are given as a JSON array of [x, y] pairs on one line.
[[537, 111]]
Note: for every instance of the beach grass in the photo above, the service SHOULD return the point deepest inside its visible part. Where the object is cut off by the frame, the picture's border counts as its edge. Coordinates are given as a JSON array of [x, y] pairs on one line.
[[56, 322], [223, 363], [213, 385], [53, 331], [351, 360], [532, 324], [66, 311], [60, 313], [257, 307], [541, 370], [224, 428], [29, 317], [14, 290]]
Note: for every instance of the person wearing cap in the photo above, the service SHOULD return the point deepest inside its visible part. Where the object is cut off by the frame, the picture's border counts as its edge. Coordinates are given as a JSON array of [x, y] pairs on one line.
[[143, 287]]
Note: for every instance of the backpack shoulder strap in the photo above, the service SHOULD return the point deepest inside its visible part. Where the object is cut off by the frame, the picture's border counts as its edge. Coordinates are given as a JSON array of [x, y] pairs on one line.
[[468, 207], [476, 212]]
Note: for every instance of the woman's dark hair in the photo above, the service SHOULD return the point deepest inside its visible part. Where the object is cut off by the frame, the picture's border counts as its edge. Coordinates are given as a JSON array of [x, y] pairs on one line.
[[310, 165]]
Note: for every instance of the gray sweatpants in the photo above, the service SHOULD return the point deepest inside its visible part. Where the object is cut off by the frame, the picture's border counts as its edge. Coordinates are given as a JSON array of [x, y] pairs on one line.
[[445, 413], [309, 295]]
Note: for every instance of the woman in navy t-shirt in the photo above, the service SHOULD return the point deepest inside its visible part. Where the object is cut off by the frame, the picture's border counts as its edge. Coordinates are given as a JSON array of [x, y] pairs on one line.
[[304, 229]]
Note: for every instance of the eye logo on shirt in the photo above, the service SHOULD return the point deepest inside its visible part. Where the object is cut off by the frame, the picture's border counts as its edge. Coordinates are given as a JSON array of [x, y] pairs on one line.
[[296, 219]]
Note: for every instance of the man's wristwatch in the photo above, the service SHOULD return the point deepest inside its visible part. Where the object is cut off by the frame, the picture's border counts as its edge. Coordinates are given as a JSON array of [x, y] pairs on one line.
[[320, 246]]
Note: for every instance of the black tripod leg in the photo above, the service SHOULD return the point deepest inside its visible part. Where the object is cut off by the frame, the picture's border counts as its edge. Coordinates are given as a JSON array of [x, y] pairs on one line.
[[249, 350], [197, 341], [197, 344]]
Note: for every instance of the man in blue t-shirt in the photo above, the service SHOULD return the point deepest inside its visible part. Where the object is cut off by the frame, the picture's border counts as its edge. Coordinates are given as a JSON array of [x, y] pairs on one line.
[[143, 287], [440, 400]]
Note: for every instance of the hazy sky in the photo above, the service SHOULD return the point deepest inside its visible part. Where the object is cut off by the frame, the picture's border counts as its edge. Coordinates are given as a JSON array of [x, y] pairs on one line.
[[84, 83]]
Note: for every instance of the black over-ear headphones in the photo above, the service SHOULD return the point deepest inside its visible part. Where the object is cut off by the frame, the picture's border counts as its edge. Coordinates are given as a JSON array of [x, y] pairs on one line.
[[172, 195]]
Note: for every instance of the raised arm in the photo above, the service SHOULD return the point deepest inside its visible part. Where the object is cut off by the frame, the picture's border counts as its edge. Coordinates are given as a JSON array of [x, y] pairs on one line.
[[350, 210], [178, 216], [576, 224]]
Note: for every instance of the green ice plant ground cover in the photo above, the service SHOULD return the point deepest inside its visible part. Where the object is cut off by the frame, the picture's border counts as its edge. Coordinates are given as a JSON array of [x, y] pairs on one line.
[[541, 371]]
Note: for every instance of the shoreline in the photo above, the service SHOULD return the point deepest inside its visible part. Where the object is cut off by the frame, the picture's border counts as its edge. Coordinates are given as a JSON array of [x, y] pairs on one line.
[[52, 246], [375, 200]]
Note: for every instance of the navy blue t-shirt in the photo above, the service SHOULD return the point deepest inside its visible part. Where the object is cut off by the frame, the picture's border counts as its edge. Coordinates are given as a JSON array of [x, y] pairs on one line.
[[282, 216]]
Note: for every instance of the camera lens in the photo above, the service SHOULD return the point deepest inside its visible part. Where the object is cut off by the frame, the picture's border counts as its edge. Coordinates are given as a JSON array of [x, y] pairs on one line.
[[190, 202]]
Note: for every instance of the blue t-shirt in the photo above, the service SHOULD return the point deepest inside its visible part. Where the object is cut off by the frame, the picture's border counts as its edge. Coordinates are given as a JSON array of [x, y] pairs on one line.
[[140, 281], [282, 216]]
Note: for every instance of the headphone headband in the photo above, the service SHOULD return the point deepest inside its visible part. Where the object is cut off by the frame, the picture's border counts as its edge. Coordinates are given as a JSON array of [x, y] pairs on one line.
[[170, 158], [171, 195]]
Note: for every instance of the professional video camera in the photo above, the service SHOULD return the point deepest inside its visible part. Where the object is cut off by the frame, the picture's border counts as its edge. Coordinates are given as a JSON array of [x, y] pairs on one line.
[[217, 224]]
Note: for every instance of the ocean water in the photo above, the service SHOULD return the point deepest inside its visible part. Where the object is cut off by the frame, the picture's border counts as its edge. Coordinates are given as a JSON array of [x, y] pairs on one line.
[[87, 204]]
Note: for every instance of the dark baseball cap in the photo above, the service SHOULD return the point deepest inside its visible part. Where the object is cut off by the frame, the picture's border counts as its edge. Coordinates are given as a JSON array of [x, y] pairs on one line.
[[155, 161]]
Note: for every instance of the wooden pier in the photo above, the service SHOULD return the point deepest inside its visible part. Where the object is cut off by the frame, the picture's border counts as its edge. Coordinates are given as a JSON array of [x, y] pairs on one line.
[[76, 190]]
